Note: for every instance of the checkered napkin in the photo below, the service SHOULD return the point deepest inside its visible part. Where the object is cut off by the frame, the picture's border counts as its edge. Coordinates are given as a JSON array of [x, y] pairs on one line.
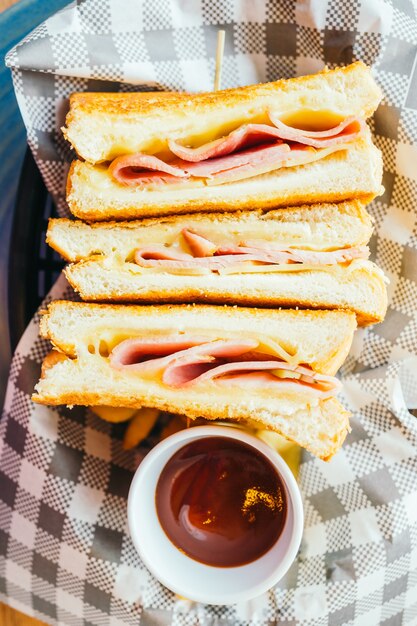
[[65, 555]]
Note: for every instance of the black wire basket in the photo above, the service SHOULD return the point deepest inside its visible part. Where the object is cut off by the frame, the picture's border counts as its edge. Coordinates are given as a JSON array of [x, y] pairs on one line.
[[33, 265]]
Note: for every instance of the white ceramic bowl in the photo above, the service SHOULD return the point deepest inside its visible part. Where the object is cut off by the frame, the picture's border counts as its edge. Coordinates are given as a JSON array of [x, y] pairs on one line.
[[184, 575]]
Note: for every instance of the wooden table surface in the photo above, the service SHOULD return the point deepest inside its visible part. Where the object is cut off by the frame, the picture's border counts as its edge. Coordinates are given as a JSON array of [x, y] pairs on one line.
[[5, 4], [9, 617]]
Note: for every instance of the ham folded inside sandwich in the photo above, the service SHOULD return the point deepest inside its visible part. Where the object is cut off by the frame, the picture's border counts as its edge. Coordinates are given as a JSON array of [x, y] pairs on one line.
[[250, 150], [275, 368], [235, 363], [256, 256]]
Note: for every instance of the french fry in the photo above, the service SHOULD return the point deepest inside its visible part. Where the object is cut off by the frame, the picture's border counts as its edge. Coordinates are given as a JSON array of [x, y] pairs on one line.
[[174, 425], [197, 421], [114, 414], [139, 427], [289, 451]]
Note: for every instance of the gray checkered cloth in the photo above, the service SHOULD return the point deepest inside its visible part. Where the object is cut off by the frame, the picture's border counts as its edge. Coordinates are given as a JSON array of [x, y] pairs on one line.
[[65, 555]]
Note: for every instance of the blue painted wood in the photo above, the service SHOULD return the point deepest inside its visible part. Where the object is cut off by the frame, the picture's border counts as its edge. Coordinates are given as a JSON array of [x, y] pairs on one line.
[[15, 23]]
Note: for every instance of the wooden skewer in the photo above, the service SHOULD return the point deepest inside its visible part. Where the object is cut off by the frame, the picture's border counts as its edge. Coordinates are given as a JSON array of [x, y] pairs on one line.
[[219, 59]]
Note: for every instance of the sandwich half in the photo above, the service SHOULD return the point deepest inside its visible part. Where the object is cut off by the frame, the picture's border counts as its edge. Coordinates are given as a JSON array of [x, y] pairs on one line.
[[313, 257], [268, 145], [275, 368]]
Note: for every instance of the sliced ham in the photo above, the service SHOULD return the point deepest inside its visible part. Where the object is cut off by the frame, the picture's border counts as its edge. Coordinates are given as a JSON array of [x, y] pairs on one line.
[[132, 169], [169, 259], [143, 258], [291, 255], [208, 256], [184, 371], [200, 246], [248, 134], [160, 253], [131, 353], [239, 166], [250, 150], [244, 253], [190, 360], [348, 130], [252, 157], [254, 134], [332, 257], [270, 159], [136, 169], [265, 380]]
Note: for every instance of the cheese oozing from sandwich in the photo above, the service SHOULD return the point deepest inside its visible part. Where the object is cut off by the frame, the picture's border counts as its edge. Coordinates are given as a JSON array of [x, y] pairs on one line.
[[251, 149]]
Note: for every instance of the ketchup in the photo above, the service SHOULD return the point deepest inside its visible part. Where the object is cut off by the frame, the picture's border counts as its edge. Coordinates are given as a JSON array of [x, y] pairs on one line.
[[221, 502]]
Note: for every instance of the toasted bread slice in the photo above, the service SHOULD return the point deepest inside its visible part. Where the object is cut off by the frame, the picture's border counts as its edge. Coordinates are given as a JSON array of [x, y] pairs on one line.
[[326, 226], [359, 287], [93, 194], [102, 126]]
